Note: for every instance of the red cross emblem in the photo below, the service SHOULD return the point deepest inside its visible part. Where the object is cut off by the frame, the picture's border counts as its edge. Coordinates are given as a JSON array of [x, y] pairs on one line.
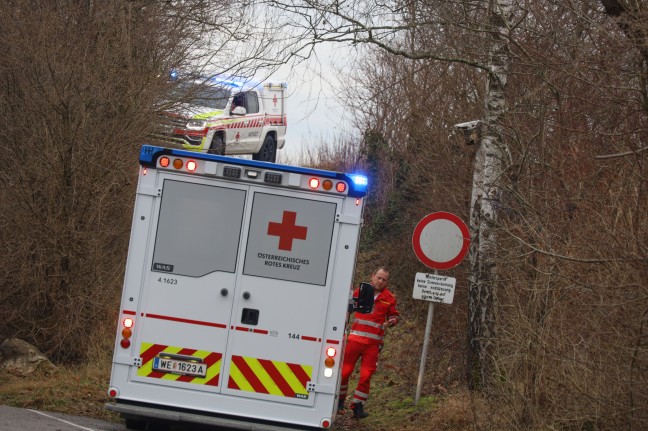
[[238, 136], [287, 230], [274, 100]]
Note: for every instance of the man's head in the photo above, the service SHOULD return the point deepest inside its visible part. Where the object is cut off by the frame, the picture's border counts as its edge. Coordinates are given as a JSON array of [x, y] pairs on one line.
[[379, 279]]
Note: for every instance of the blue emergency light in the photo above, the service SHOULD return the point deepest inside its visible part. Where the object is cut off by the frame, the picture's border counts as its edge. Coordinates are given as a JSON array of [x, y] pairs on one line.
[[360, 182], [228, 82]]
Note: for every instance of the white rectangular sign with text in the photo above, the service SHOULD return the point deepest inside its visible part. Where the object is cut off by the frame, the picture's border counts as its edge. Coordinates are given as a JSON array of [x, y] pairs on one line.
[[435, 288]]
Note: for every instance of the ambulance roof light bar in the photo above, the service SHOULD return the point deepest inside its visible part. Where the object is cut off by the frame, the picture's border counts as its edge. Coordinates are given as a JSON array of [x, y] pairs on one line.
[[357, 183]]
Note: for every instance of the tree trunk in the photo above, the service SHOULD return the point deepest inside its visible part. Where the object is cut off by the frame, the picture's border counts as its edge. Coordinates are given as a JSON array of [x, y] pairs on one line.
[[488, 166]]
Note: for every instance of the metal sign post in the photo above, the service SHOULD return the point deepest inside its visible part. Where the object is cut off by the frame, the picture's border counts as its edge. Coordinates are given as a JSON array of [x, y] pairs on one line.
[[426, 342], [440, 241]]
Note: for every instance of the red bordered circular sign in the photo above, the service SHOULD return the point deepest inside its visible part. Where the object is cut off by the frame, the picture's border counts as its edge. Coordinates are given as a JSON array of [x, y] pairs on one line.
[[441, 240]]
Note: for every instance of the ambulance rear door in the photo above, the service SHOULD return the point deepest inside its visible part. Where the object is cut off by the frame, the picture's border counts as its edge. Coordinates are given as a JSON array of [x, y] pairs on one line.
[[275, 347], [189, 285]]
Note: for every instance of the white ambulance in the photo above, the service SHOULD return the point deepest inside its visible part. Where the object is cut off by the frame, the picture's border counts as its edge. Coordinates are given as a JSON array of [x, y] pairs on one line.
[[231, 116], [236, 293]]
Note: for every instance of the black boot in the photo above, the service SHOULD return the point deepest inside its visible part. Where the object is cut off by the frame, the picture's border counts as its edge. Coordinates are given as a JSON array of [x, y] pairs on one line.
[[358, 411], [341, 407]]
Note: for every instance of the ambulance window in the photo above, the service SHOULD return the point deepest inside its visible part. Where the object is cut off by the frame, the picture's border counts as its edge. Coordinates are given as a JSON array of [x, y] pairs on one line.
[[252, 102], [200, 94], [198, 229]]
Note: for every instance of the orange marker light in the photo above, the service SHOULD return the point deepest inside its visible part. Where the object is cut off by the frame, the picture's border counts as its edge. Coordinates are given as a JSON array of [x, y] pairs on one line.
[[327, 185], [177, 163]]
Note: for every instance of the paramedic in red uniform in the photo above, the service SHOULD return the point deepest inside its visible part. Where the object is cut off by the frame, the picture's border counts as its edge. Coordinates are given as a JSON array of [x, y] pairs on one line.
[[365, 340]]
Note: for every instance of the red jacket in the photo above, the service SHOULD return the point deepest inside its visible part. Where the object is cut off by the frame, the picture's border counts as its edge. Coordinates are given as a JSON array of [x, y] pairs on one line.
[[369, 328]]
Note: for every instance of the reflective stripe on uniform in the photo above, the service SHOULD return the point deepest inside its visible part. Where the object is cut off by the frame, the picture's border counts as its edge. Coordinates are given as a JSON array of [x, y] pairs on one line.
[[360, 396], [367, 335], [367, 322]]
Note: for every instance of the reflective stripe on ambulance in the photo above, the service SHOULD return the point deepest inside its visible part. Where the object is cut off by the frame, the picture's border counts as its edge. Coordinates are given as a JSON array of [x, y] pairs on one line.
[[212, 360], [269, 377]]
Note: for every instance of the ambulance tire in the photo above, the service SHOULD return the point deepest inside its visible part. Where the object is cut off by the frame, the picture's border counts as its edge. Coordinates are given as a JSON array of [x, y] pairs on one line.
[[217, 146], [158, 426], [135, 424], [268, 151]]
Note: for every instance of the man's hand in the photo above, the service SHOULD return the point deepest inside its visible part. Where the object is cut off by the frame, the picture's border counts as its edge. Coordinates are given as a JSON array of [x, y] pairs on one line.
[[391, 322]]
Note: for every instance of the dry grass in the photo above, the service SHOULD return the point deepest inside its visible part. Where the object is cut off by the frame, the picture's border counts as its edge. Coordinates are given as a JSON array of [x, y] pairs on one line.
[[75, 390], [454, 411], [81, 391]]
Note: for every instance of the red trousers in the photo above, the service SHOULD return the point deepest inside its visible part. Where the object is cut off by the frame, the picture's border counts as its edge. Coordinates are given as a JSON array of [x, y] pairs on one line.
[[353, 351]]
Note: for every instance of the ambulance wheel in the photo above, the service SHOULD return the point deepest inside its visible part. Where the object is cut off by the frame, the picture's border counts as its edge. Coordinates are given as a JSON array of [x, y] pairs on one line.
[[217, 146], [158, 426], [135, 424], [268, 151]]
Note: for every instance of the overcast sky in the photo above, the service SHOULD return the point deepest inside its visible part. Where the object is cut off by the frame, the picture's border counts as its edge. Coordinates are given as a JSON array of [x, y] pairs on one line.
[[314, 109]]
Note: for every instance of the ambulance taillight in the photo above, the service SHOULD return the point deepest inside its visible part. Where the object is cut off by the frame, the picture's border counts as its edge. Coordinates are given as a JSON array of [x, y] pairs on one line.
[[313, 183], [191, 166], [126, 332], [329, 362], [165, 162]]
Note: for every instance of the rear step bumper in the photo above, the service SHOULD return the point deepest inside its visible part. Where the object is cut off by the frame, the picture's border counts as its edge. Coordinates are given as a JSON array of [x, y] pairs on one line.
[[166, 414]]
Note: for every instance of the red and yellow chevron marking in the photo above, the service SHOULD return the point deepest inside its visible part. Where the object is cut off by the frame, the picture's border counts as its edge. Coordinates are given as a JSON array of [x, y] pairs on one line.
[[149, 351], [269, 377]]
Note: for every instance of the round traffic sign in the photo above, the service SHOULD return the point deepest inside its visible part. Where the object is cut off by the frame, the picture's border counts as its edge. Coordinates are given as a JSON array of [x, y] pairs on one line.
[[441, 240]]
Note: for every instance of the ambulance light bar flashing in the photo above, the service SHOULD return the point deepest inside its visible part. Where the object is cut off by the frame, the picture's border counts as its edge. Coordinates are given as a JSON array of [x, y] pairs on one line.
[[360, 180], [229, 82], [352, 185], [327, 185], [178, 164]]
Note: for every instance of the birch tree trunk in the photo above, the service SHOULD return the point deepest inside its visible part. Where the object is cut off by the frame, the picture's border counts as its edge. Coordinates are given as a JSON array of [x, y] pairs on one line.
[[488, 166]]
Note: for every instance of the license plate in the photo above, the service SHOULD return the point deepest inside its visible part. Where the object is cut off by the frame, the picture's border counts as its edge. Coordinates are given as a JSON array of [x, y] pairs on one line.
[[175, 366]]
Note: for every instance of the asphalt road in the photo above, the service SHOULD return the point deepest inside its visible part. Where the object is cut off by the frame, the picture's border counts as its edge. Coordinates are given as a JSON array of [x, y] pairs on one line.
[[15, 419]]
